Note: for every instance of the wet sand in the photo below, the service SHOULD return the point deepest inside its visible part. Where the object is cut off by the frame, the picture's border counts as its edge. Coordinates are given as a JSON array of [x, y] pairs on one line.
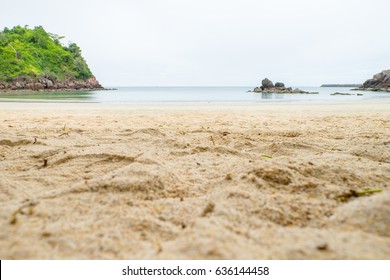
[[203, 181]]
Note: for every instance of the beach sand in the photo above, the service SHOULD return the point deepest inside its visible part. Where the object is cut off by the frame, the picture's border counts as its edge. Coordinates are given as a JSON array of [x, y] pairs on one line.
[[203, 181]]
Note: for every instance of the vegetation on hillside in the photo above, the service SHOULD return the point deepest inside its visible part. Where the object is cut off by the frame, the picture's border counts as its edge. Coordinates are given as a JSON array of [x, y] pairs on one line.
[[35, 52]]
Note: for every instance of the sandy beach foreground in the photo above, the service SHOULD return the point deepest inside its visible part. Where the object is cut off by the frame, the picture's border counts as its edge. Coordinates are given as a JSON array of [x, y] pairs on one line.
[[206, 181]]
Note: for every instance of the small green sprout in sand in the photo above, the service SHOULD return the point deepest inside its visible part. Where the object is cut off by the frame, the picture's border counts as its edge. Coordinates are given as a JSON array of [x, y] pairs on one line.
[[266, 156], [345, 197]]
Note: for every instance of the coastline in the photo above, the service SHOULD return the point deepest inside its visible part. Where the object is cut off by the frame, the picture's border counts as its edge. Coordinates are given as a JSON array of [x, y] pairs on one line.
[[285, 108], [168, 95], [203, 181]]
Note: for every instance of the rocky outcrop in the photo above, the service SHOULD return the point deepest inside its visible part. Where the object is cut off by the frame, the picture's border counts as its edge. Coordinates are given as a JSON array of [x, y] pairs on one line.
[[49, 84], [279, 85], [380, 82], [345, 93], [266, 83], [267, 86]]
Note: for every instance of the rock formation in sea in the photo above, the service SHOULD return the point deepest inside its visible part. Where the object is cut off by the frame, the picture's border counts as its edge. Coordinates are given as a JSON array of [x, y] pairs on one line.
[[380, 82], [267, 86]]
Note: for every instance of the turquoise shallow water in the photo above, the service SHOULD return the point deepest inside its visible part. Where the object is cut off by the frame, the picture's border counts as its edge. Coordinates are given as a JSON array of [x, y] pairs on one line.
[[188, 94]]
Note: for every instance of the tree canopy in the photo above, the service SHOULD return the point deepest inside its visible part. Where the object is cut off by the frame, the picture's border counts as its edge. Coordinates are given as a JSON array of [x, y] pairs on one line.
[[35, 52]]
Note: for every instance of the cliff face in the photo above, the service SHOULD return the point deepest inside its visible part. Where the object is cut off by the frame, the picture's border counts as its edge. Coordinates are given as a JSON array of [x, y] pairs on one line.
[[33, 59], [380, 82], [49, 84]]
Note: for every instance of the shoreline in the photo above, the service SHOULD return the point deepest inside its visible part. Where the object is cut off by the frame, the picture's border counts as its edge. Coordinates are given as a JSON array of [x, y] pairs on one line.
[[297, 107]]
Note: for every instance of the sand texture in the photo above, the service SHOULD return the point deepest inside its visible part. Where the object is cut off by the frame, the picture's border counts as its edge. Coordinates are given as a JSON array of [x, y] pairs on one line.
[[260, 181]]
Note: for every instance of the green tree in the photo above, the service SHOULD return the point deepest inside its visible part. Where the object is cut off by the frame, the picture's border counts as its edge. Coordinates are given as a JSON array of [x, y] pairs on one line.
[[34, 52]]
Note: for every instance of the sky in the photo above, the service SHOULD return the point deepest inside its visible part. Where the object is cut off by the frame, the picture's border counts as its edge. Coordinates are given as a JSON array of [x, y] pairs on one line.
[[217, 42]]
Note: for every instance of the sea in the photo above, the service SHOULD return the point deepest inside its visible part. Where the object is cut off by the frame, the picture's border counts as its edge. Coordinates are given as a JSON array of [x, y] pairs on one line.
[[190, 95]]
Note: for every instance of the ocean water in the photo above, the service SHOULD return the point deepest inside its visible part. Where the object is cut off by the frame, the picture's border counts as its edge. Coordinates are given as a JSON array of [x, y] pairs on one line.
[[189, 94]]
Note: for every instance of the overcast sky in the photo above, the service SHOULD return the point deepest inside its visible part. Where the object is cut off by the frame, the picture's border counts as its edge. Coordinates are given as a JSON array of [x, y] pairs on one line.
[[217, 42]]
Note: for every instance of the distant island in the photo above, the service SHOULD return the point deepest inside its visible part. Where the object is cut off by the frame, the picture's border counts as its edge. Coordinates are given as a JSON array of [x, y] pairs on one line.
[[341, 85], [267, 86], [35, 60]]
